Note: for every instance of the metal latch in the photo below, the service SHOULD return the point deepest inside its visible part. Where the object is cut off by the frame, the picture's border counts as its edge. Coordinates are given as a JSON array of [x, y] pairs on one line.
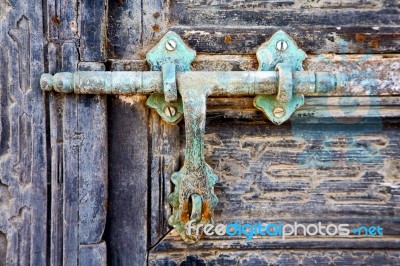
[[279, 88]]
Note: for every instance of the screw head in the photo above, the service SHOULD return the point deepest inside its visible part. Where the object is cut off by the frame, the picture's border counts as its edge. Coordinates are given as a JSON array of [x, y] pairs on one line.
[[170, 45], [278, 112], [281, 45], [170, 111]]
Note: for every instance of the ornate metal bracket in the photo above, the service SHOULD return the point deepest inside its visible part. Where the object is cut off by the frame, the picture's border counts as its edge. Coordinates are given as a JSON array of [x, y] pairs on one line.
[[282, 54], [171, 54], [279, 86]]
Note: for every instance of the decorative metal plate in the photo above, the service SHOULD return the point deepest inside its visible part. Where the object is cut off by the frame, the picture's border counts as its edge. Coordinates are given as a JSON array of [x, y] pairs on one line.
[[280, 49], [171, 49]]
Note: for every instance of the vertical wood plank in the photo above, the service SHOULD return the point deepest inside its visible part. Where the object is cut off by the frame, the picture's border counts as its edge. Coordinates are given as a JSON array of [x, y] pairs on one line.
[[154, 23], [93, 255], [127, 217], [164, 161], [23, 168], [56, 209], [124, 31], [72, 138], [93, 163], [78, 136], [66, 19], [93, 30]]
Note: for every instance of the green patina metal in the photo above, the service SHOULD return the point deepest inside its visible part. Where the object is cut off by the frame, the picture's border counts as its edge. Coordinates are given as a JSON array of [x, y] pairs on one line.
[[280, 53], [158, 103], [279, 88], [171, 49], [196, 179]]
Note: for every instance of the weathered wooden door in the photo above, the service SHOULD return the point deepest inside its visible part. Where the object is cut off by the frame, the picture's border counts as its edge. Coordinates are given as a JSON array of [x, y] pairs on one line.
[[85, 179]]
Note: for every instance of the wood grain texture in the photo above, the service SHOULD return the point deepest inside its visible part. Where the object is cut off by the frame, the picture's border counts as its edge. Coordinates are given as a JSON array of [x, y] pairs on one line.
[[164, 158], [93, 30], [78, 138], [23, 166], [279, 257], [93, 254], [127, 216], [339, 173], [240, 27]]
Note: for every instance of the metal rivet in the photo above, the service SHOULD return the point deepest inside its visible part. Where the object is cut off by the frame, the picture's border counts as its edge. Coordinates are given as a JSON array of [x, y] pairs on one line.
[[170, 45], [279, 112], [281, 46], [170, 111]]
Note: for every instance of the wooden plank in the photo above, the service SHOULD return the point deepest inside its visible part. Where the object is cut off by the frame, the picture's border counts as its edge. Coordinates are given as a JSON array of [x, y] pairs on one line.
[[156, 14], [127, 217], [93, 30], [223, 27], [280, 4], [124, 31], [23, 180], [72, 139], [280, 257], [93, 255], [56, 209], [172, 242], [312, 39], [78, 137], [67, 19], [164, 157], [300, 13], [93, 163]]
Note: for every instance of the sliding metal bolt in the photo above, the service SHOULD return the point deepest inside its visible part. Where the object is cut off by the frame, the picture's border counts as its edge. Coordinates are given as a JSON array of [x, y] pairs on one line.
[[170, 111], [281, 46], [170, 45], [279, 112]]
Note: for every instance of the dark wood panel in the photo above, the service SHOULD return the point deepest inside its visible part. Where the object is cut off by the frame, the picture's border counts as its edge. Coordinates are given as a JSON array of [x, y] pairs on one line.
[[298, 14], [313, 40], [78, 138], [164, 157], [127, 228], [93, 30], [124, 31]]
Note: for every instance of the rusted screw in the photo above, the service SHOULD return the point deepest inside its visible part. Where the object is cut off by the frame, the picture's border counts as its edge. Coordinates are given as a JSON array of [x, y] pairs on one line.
[[170, 45], [279, 112], [170, 111], [281, 46]]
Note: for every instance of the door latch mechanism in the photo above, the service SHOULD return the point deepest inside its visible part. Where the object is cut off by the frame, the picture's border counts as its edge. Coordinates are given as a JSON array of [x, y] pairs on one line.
[[279, 88]]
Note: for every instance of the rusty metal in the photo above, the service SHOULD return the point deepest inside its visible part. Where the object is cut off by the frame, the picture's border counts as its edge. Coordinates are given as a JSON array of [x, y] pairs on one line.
[[196, 176], [279, 86]]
